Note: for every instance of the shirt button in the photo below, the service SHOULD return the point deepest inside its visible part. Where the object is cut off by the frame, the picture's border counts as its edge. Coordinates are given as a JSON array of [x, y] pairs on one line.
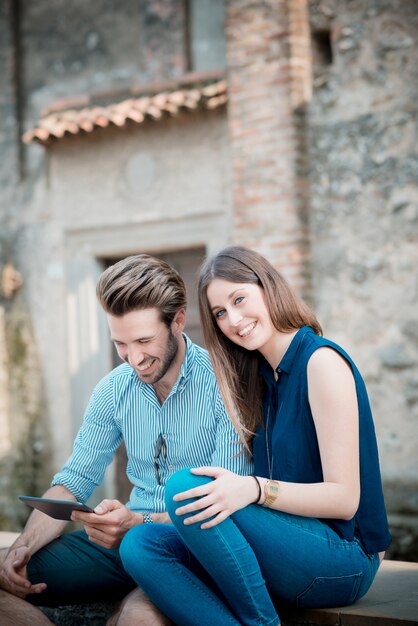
[[170, 467]]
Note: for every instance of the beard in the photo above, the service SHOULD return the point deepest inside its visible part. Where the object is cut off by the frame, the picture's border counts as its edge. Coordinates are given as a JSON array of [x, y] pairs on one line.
[[168, 358], [166, 361]]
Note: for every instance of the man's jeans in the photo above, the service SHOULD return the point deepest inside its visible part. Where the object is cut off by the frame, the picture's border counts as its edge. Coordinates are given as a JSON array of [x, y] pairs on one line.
[[77, 571], [254, 554]]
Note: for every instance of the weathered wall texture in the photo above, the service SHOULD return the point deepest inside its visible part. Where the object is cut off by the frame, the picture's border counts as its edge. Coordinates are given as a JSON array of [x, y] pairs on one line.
[[364, 215], [22, 430], [365, 204], [74, 49], [9, 171]]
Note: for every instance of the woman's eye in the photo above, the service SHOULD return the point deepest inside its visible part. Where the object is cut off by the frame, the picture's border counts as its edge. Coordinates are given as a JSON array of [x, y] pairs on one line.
[[219, 313], [239, 299]]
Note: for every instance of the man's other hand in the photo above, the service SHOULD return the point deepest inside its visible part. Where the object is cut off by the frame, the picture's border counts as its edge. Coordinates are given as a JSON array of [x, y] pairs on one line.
[[13, 573]]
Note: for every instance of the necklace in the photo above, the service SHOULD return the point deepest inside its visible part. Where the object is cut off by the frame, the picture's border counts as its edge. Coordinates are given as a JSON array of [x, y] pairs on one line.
[[270, 458]]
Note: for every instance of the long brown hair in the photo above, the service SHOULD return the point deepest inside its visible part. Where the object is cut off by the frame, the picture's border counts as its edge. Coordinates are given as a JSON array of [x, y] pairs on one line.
[[236, 369]]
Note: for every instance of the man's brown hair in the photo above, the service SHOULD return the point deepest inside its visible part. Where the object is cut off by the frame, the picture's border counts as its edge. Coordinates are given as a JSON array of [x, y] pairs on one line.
[[141, 282]]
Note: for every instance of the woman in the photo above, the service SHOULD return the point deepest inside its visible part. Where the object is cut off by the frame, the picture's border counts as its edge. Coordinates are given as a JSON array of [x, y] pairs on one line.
[[309, 528]]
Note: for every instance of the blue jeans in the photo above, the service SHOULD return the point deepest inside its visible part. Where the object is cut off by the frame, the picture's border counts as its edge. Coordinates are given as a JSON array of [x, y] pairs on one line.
[[77, 571], [255, 556]]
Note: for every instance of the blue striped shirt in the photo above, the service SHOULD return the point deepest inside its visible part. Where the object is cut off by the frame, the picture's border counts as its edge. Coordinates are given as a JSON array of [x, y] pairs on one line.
[[192, 421]]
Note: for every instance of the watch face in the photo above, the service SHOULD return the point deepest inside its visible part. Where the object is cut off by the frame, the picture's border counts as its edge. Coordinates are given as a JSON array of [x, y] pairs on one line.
[[273, 489]]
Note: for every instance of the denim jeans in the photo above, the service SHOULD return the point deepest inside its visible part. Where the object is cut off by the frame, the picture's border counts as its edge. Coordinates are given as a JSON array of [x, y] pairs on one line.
[[252, 558], [77, 571]]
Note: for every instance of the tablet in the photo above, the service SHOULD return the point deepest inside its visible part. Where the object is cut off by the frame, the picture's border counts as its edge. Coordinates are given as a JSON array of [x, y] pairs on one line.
[[59, 509]]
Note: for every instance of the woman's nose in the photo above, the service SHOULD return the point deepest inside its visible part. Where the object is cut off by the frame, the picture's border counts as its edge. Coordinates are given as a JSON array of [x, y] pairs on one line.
[[235, 317]]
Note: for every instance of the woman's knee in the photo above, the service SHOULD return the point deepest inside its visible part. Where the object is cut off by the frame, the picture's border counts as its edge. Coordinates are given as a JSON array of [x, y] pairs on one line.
[[183, 480]]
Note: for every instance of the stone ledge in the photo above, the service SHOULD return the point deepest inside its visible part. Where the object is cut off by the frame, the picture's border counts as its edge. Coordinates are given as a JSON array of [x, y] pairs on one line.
[[392, 601], [7, 538]]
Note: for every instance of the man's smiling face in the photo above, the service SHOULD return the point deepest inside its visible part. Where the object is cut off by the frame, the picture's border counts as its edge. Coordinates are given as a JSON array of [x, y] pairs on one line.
[[143, 340]]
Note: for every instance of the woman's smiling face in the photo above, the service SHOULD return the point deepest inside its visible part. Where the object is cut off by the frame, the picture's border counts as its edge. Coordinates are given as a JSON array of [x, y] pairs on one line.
[[240, 311]]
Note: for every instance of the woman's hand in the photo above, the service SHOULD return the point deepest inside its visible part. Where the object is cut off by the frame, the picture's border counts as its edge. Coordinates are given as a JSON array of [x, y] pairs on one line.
[[218, 498]]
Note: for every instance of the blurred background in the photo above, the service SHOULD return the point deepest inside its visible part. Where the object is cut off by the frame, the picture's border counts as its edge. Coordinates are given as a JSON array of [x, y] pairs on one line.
[[176, 127]]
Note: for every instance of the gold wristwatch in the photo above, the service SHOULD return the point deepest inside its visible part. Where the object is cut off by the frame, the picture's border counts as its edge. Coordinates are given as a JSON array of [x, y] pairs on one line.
[[271, 492]]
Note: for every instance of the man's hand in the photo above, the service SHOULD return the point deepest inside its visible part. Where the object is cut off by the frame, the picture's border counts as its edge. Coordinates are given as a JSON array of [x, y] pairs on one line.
[[13, 573], [109, 523]]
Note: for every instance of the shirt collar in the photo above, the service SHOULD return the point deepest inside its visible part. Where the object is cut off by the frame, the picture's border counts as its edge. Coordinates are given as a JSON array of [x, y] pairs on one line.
[[289, 356], [187, 365]]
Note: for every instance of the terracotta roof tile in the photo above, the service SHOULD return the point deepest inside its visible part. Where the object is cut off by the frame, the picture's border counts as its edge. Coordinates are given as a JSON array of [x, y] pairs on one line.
[[56, 124]]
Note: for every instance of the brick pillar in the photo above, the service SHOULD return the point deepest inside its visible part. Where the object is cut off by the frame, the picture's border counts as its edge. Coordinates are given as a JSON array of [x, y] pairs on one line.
[[265, 70]]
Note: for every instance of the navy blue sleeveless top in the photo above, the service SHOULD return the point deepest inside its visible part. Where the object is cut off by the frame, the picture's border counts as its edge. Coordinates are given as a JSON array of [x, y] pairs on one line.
[[286, 448]]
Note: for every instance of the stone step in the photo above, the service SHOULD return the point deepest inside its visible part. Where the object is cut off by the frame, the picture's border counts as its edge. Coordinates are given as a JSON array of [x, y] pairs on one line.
[[391, 601]]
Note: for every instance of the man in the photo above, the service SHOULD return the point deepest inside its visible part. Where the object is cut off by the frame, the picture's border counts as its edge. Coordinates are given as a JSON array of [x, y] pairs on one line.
[[164, 404]]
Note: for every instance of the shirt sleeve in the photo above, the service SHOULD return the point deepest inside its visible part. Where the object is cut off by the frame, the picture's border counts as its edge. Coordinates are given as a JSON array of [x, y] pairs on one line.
[[229, 452], [94, 446]]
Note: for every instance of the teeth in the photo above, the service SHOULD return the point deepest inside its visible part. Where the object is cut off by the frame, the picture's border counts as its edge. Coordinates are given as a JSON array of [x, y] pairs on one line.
[[247, 329], [146, 365]]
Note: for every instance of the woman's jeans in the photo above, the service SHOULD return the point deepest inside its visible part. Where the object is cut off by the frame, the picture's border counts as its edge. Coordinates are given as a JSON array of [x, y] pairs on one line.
[[254, 554]]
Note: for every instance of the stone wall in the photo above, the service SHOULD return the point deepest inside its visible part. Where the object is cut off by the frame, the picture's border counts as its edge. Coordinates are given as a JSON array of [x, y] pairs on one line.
[[364, 215], [9, 167], [22, 443], [71, 50]]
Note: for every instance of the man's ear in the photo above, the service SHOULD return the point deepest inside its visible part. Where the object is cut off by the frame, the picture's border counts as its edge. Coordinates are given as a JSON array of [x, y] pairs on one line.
[[179, 321]]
